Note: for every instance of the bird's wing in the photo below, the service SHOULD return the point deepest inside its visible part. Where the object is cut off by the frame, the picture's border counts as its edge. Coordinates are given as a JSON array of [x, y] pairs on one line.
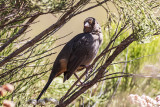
[[79, 53]]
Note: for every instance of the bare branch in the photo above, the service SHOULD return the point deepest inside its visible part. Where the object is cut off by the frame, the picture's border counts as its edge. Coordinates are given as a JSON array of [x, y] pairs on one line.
[[18, 34], [53, 28], [12, 70], [29, 77], [124, 44]]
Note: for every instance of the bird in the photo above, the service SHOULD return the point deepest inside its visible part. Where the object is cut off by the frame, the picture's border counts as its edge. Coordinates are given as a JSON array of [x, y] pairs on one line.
[[77, 53]]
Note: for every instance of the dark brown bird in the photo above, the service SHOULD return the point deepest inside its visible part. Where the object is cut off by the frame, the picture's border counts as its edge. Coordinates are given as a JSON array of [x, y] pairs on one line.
[[77, 53]]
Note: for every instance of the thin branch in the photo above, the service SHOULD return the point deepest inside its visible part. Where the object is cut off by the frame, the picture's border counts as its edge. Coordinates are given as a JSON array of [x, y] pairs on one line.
[[20, 67], [18, 34], [22, 25], [67, 94], [132, 75], [29, 77], [54, 27], [125, 43], [129, 75], [100, 3], [7, 72]]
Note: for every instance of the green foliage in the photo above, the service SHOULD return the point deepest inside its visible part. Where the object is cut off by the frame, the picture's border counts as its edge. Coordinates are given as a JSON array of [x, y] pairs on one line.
[[14, 12], [31, 67], [27, 70], [138, 55], [49, 5], [141, 15]]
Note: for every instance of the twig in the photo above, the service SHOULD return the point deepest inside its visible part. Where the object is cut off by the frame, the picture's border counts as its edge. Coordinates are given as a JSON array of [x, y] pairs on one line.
[[100, 3], [7, 72], [18, 34], [125, 43], [29, 77], [128, 75], [54, 27]]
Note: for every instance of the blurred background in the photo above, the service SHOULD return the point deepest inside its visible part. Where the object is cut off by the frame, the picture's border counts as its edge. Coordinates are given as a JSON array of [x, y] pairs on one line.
[[141, 58]]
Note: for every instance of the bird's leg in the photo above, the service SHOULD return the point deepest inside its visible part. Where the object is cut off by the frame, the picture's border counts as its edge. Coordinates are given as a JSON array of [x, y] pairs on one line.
[[78, 78], [87, 69], [81, 83]]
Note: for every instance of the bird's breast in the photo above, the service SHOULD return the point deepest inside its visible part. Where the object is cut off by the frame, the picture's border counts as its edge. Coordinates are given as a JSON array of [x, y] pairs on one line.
[[91, 52]]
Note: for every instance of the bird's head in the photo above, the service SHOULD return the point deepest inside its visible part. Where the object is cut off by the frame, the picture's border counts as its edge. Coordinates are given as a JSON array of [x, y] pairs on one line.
[[91, 25]]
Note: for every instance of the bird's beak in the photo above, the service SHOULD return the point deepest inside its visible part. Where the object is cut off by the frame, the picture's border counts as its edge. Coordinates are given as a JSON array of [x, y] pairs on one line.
[[86, 24]]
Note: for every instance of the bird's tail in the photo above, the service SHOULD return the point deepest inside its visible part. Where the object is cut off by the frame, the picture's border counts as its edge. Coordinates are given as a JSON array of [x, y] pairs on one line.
[[52, 76]]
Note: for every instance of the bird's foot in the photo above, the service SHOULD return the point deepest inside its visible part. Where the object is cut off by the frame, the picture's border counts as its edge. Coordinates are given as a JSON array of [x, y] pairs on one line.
[[88, 68]]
